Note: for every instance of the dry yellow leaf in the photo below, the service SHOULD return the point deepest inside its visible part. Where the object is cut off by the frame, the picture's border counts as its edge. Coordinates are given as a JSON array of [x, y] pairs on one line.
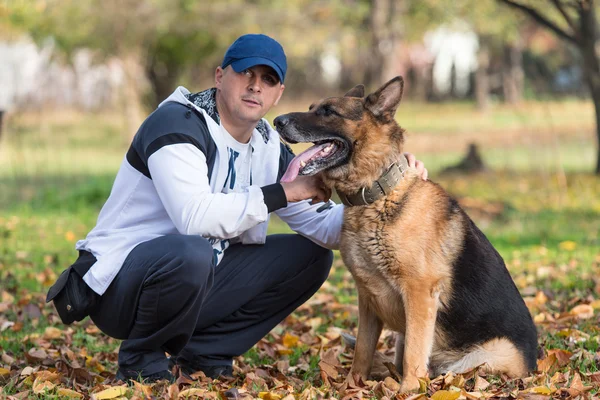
[[269, 396], [4, 372], [445, 395], [47, 376], [193, 392], [595, 304], [110, 393], [52, 333], [391, 384], [540, 298], [70, 236], [539, 318], [290, 340], [541, 390], [144, 390], [42, 386], [63, 392], [583, 311], [480, 383]]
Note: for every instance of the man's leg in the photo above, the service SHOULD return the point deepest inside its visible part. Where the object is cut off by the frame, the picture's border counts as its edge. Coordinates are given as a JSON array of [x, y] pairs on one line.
[[255, 287], [154, 301]]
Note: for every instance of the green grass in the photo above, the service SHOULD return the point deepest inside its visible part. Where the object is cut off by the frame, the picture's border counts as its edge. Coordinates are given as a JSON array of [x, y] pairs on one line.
[[56, 172]]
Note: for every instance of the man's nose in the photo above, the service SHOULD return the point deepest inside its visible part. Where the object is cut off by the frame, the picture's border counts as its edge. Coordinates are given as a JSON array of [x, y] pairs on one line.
[[281, 121], [254, 85]]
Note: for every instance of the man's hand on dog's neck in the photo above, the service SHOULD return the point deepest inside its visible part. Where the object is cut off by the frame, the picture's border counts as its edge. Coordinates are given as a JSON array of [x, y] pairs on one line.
[[305, 188]]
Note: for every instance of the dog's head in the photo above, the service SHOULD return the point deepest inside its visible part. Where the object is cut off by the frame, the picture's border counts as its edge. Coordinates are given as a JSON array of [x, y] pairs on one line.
[[356, 137]]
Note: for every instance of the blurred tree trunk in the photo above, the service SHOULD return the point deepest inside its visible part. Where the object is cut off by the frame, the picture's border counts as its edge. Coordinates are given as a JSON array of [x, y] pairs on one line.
[[384, 23], [132, 95], [512, 75], [163, 77], [482, 78], [579, 17]]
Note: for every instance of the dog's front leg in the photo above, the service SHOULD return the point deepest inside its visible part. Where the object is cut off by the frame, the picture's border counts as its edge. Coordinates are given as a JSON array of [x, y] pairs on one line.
[[369, 330], [420, 305]]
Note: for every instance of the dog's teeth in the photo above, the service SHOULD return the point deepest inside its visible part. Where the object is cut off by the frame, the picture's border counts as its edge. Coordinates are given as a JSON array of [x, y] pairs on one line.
[[302, 163], [327, 149]]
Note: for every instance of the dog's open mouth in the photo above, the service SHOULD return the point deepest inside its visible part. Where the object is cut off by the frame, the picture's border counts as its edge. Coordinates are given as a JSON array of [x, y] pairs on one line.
[[324, 154]]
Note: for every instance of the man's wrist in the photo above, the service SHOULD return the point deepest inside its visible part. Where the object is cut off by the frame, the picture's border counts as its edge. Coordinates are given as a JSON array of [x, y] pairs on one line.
[[274, 197]]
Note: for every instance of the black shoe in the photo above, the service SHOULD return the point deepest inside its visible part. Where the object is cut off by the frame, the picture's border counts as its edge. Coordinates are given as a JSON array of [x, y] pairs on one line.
[[152, 378], [211, 371]]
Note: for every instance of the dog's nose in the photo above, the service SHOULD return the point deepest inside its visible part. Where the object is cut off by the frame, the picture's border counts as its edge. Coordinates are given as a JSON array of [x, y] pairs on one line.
[[281, 121]]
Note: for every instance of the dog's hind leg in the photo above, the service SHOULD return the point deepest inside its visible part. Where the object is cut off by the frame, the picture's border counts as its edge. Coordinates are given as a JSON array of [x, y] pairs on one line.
[[369, 330], [421, 307], [495, 356]]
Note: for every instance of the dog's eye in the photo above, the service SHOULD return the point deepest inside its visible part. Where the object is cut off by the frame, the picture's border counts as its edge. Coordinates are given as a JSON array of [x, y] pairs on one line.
[[326, 111]]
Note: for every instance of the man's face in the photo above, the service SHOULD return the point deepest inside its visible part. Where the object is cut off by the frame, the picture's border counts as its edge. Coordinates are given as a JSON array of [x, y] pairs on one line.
[[248, 95]]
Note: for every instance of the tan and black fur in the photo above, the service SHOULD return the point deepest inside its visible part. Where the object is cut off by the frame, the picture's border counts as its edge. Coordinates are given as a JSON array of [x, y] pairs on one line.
[[420, 264]]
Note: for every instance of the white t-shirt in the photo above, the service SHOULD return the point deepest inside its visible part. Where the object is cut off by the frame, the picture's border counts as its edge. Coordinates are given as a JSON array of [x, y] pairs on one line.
[[239, 177]]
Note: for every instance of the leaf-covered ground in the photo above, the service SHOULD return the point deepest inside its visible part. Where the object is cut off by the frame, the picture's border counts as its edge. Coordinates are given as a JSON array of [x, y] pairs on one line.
[[546, 225]]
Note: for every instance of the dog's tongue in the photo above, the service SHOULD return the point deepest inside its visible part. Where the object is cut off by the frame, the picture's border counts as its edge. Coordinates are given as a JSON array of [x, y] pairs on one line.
[[294, 168]]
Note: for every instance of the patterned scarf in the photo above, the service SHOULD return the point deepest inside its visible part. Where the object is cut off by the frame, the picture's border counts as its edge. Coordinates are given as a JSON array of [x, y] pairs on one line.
[[207, 100]]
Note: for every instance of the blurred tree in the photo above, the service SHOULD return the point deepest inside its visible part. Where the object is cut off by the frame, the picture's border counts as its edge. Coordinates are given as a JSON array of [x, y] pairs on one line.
[[574, 21]]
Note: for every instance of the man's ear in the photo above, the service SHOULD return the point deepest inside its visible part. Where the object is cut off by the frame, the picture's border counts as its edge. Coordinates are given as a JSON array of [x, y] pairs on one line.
[[386, 99], [280, 94], [356, 91], [219, 77]]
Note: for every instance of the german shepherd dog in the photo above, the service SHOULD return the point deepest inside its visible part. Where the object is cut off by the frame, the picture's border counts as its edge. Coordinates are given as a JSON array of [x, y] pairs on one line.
[[420, 264]]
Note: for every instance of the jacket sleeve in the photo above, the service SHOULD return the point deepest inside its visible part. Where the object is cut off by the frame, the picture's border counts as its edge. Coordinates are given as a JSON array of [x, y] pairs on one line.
[[180, 176], [321, 223]]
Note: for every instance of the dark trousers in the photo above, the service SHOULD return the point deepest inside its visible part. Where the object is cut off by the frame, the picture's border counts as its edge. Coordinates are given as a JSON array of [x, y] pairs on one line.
[[168, 296]]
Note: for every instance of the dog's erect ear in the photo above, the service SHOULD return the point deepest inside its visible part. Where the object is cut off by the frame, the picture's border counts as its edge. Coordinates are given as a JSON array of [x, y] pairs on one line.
[[356, 91], [387, 98]]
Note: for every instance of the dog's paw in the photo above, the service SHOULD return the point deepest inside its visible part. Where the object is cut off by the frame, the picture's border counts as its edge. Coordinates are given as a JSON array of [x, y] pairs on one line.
[[410, 384]]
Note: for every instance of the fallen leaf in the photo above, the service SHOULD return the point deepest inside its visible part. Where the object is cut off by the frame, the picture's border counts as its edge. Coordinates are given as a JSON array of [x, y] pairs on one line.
[[562, 356], [541, 390], [269, 396], [547, 364], [41, 387], [63, 392], [52, 333], [445, 395], [193, 392], [328, 370], [391, 384], [7, 359], [583, 311], [144, 390], [110, 393], [290, 340], [4, 372], [480, 383]]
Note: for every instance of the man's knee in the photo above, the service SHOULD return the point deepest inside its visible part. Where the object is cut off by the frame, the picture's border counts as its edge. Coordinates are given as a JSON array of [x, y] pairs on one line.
[[319, 258], [191, 258]]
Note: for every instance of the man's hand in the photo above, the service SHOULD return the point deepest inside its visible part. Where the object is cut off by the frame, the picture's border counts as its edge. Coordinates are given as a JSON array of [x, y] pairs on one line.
[[306, 187], [414, 163]]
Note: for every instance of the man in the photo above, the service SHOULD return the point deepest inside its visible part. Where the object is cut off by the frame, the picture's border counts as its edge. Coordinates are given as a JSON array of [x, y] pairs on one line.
[[180, 261]]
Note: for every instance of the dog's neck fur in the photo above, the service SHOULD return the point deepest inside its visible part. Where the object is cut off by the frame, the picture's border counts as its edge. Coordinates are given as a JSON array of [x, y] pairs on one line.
[[363, 172]]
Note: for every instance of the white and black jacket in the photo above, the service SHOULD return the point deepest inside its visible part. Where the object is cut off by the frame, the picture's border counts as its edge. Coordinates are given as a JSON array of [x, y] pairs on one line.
[[170, 183]]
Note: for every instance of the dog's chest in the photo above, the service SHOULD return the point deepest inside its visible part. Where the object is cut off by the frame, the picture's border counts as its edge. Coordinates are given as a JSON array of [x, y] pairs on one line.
[[371, 261]]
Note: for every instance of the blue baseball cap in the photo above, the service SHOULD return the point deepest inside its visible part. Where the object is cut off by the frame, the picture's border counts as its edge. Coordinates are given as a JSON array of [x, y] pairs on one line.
[[256, 49]]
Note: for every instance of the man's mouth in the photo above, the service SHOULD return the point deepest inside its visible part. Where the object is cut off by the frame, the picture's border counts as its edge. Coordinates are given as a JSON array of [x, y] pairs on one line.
[[324, 154], [252, 102]]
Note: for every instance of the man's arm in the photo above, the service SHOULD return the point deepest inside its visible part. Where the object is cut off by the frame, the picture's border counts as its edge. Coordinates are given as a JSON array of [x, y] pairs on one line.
[[180, 176]]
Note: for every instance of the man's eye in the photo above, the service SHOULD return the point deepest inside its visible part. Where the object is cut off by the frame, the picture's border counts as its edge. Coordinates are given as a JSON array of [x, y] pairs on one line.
[[247, 72], [270, 80]]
